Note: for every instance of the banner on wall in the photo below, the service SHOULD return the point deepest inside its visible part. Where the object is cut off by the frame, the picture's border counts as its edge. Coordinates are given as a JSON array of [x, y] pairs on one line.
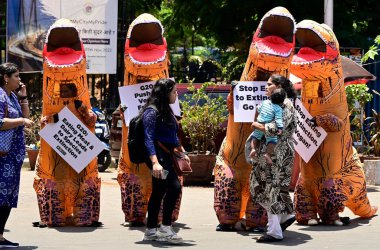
[[29, 20], [135, 96], [72, 140], [247, 95]]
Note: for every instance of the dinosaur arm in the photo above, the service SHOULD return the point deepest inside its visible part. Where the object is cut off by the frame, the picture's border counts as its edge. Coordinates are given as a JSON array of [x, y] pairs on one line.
[[329, 122], [88, 116]]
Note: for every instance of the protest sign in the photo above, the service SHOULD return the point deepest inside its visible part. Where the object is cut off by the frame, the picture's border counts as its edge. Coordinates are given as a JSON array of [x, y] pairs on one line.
[[307, 137], [135, 96], [72, 140], [247, 95]]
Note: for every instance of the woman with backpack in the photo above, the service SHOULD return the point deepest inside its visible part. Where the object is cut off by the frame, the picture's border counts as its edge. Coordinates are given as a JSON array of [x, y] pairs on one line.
[[160, 132]]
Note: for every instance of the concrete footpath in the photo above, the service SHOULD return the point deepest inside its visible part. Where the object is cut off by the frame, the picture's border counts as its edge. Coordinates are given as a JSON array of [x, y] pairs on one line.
[[196, 225]]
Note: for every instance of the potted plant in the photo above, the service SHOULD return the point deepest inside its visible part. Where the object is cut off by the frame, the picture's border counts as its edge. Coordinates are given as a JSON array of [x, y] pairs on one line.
[[32, 140], [372, 161], [201, 121], [357, 97], [373, 129]]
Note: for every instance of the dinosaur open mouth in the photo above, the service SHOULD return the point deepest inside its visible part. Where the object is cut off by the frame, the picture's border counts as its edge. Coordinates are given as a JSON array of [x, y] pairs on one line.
[[146, 45], [63, 46], [275, 36], [312, 47]]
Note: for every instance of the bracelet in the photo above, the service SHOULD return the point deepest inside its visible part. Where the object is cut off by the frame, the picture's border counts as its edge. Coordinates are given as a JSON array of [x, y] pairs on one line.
[[24, 102], [22, 97]]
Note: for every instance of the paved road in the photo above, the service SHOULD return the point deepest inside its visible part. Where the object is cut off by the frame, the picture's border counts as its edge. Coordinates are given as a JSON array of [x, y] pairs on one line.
[[196, 225]]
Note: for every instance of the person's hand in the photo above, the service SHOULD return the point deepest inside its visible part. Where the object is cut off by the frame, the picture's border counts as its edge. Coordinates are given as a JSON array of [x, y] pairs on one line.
[[157, 170], [252, 154], [49, 119], [78, 103], [279, 132], [187, 158], [21, 90], [313, 121], [27, 122], [255, 125]]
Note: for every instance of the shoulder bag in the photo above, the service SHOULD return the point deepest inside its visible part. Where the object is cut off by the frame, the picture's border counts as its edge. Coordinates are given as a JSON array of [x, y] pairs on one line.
[[180, 165]]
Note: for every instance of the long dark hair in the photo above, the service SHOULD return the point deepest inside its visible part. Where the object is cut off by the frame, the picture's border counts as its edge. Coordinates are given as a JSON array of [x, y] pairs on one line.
[[285, 83], [160, 99], [7, 69]]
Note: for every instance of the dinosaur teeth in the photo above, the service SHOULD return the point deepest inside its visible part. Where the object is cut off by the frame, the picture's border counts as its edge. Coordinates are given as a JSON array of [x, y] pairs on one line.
[[147, 63]]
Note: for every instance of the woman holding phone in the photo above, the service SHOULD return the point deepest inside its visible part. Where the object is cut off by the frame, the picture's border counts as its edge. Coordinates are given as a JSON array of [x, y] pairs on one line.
[[160, 125], [14, 113]]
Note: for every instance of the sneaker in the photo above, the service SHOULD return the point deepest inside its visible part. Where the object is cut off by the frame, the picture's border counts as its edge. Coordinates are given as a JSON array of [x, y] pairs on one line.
[[312, 222], [150, 234], [166, 234], [6, 243]]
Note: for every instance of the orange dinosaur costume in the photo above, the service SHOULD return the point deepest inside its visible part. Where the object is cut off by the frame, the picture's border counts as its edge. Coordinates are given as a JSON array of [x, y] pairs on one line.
[[271, 51], [333, 178], [146, 59], [64, 196]]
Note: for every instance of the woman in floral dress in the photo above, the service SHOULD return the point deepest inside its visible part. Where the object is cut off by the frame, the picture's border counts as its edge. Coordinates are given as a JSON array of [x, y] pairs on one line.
[[269, 184]]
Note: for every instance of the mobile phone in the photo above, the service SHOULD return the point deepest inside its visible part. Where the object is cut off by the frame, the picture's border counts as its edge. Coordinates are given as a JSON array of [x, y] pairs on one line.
[[164, 174], [19, 87]]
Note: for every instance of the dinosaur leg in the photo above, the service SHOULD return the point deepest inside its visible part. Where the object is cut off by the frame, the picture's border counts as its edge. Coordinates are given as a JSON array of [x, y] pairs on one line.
[[87, 202], [304, 203], [51, 203], [227, 195], [331, 200], [135, 192]]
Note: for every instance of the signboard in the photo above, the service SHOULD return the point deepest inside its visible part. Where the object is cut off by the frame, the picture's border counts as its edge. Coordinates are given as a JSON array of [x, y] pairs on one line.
[[247, 95], [72, 140], [307, 138], [135, 96], [29, 20]]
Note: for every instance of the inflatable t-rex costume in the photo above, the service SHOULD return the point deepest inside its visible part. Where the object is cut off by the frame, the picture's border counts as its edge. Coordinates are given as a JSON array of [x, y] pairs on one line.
[[271, 51], [333, 178], [63, 194], [146, 59]]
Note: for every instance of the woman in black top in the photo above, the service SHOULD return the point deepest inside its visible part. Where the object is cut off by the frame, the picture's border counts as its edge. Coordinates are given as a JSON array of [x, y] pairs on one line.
[[160, 125]]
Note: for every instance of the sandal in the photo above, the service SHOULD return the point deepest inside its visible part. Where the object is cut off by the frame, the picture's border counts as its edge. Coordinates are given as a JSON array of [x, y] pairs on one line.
[[225, 228], [287, 223], [267, 238]]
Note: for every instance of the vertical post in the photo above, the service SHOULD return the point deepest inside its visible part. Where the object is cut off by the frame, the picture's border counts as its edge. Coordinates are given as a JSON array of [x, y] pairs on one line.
[[329, 13]]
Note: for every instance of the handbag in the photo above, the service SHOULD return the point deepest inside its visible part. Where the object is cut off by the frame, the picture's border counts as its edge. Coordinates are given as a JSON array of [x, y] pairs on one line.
[[6, 138], [180, 165]]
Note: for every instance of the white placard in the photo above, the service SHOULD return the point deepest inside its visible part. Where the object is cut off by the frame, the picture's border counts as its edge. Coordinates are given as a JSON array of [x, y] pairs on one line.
[[135, 96], [307, 138], [247, 95], [72, 140]]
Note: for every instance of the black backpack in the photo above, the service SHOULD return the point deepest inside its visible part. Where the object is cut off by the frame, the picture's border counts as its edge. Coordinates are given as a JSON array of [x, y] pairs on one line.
[[136, 140]]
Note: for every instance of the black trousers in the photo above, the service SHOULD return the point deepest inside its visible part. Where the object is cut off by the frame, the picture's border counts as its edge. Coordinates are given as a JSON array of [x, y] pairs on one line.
[[4, 214], [166, 190]]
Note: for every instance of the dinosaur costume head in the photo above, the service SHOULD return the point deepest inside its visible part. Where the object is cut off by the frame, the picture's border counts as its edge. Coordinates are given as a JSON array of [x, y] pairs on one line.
[[319, 50], [64, 68], [318, 63], [146, 56], [272, 46]]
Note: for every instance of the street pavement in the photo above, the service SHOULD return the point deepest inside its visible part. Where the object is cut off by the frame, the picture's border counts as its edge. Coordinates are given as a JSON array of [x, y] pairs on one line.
[[196, 225]]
